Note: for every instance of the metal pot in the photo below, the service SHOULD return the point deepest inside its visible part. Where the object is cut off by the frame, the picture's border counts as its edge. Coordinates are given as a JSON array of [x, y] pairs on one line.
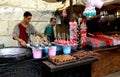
[[13, 54]]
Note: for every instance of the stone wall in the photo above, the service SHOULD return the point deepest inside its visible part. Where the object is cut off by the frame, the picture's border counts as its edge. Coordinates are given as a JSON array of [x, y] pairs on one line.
[[11, 13]]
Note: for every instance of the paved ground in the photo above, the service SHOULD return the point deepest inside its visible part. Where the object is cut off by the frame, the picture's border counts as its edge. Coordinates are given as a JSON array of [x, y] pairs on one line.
[[116, 74]]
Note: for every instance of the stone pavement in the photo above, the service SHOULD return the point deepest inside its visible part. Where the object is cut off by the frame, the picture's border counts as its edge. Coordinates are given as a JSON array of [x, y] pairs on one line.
[[116, 74]]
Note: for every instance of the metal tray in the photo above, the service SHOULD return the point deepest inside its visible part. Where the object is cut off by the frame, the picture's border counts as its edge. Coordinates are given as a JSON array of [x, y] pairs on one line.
[[56, 63]]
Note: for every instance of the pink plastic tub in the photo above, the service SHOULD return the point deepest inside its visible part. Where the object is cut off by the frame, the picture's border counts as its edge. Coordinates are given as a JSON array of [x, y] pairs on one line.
[[37, 53], [52, 51]]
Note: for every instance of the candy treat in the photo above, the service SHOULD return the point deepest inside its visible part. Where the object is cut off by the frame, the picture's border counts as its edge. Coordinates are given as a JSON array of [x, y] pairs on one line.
[[62, 58], [86, 54]]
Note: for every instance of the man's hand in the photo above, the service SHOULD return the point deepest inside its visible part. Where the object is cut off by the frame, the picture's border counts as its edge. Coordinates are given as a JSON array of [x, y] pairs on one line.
[[45, 39], [23, 43]]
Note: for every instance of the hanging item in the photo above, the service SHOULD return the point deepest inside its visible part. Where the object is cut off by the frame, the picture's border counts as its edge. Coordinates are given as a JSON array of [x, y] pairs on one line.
[[95, 3], [64, 13], [63, 9], [104, 16], [90, 7], [78, 32], [83, 33], [89, 11], [58, 19], [98, 3], [73, 30]]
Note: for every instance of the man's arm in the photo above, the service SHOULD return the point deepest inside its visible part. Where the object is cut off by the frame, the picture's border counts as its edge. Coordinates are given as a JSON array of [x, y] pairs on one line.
[[22, 42], [42, 36]]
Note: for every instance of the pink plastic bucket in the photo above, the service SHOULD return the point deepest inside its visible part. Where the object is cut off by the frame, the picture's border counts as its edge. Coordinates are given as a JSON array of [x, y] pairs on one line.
[[52, 51], [98, 3], [37, 53]]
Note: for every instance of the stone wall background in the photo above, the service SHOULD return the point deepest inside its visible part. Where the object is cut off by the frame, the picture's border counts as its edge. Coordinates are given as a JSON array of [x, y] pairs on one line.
[[11, 13]]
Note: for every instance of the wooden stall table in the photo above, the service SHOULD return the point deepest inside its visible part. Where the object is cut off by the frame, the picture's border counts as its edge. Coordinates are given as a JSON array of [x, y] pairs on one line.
[[75, 69], [109, 63]]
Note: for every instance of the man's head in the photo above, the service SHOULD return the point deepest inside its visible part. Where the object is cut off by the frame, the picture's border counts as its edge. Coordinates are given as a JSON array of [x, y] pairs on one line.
[[27, 17], [53, 21]]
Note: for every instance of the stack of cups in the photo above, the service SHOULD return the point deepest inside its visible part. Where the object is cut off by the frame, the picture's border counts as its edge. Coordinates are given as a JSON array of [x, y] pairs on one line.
[[52, 51], [37, 53]]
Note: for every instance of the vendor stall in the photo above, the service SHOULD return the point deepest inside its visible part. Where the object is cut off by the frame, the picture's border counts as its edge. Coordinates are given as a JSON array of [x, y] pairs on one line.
[[96, 55], [74, 69], [22, 63], [103, 31]]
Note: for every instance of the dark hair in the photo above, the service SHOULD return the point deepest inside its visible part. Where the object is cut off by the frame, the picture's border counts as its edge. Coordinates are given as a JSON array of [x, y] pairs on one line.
[[51, 19], [27, 13]]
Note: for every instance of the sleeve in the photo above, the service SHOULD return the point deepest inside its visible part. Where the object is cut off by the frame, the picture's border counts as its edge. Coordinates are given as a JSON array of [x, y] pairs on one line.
[[16, 31], [47, 31]]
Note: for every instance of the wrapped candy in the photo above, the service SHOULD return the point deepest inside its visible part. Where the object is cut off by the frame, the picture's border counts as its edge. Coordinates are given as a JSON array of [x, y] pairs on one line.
[[98, 3], [89, 11], [83, 33], [90, 7], [73, 30], [95, 3], [73, 25]]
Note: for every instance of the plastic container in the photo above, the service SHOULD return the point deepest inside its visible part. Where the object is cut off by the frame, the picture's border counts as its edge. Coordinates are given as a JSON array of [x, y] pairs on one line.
[[66, 49], [37, 53], [45, 50], [52, 51], [58, 48]]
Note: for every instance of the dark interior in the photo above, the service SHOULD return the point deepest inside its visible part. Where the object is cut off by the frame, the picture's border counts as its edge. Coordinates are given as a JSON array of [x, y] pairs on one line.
[[108, 26]]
